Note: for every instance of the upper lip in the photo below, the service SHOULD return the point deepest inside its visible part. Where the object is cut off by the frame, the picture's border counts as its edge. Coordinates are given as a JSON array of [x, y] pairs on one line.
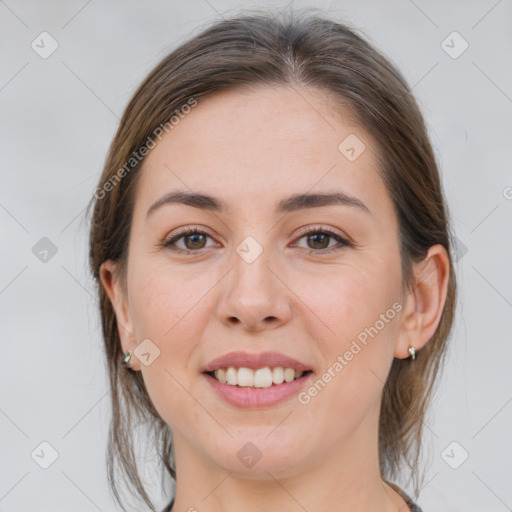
[[255, 361]]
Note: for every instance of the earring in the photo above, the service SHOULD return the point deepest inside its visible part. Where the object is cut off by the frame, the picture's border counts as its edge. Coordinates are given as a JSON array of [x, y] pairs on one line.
[[412, 352], [126, 360]]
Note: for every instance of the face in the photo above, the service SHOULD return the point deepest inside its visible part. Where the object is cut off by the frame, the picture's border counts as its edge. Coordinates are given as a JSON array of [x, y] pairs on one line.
[[253, 280]]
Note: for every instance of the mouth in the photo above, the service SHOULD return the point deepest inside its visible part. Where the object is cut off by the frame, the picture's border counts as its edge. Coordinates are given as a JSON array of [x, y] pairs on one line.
[[260, 378]]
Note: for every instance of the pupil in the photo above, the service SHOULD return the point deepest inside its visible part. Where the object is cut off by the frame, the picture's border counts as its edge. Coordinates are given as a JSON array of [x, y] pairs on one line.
[[194, 238], [319, 235]]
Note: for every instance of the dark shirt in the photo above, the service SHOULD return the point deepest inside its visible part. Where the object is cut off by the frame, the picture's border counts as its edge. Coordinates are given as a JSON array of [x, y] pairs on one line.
[[405, 496], [412, 505]]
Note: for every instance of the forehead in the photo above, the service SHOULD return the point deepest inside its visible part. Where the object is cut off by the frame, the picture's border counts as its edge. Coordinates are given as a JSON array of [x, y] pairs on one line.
[[259, 145]]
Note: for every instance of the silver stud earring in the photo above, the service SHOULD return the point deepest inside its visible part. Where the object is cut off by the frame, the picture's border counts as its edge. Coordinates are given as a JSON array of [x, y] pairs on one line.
[[126, 360], [412, 352]]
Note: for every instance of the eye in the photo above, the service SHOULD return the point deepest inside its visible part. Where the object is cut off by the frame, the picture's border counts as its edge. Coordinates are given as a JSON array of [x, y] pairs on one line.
[[193, 238], [319, 239]]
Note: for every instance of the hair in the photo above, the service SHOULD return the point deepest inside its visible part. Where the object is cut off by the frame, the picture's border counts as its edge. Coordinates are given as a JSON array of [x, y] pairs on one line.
[[297, 48]]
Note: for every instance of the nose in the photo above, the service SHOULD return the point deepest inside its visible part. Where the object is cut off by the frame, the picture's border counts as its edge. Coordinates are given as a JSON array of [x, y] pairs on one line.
[[254, 294]]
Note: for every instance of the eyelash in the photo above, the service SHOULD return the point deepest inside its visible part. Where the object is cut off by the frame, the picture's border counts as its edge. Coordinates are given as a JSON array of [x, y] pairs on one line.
[[304, 232], [342, 242]]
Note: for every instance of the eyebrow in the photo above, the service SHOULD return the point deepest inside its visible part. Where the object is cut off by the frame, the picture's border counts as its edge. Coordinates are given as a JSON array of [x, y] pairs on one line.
[[291, 204]]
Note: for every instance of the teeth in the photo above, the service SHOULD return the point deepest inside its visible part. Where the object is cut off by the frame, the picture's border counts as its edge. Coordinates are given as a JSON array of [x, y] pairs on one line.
[[245, 377], [289, 374], [220, 375], [278, 375], [231, 376], [260, 378]]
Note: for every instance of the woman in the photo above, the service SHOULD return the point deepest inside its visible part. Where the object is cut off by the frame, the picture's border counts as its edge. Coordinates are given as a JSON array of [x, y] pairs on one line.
[[271, 246]]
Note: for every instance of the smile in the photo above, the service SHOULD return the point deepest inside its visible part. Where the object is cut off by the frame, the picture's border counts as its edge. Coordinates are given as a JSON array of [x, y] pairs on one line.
[[253, 397], [259, 378]]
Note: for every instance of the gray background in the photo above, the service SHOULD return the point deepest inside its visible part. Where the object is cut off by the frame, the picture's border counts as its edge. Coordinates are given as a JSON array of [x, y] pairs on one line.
[[58, 116]]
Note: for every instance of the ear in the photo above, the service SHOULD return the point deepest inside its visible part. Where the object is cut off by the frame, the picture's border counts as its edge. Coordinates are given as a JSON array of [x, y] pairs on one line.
[[423, 305], [115, 288]]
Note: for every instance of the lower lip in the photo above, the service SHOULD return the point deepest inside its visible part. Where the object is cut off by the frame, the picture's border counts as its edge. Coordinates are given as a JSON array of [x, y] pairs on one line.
[[251, 398]]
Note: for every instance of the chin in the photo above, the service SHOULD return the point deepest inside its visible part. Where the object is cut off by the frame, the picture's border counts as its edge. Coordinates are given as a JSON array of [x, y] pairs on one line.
[[256, 458]]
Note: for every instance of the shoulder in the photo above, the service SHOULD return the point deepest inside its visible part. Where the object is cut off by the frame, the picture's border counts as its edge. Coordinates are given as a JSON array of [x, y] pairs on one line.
[[410, 503]]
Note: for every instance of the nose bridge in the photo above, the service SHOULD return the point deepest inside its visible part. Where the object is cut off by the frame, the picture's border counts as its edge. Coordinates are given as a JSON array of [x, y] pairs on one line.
[[251, 263], [254, 296]]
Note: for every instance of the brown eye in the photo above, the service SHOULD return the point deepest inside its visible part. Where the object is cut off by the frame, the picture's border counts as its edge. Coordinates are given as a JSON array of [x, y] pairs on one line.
[[197, 241], [318, 240], [193, 240]]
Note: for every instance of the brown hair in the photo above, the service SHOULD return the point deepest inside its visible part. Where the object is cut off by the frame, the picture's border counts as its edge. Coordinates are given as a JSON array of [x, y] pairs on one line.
[[294, 48]]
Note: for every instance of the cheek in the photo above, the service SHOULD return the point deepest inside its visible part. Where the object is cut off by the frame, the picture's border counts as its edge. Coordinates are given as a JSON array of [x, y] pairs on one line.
[[165, 303], [356, 358], [168, 307], [352, 302], [360, 310]]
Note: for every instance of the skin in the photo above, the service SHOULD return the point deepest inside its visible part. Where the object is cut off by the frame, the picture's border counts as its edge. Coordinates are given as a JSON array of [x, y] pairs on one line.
[[252, 149]]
